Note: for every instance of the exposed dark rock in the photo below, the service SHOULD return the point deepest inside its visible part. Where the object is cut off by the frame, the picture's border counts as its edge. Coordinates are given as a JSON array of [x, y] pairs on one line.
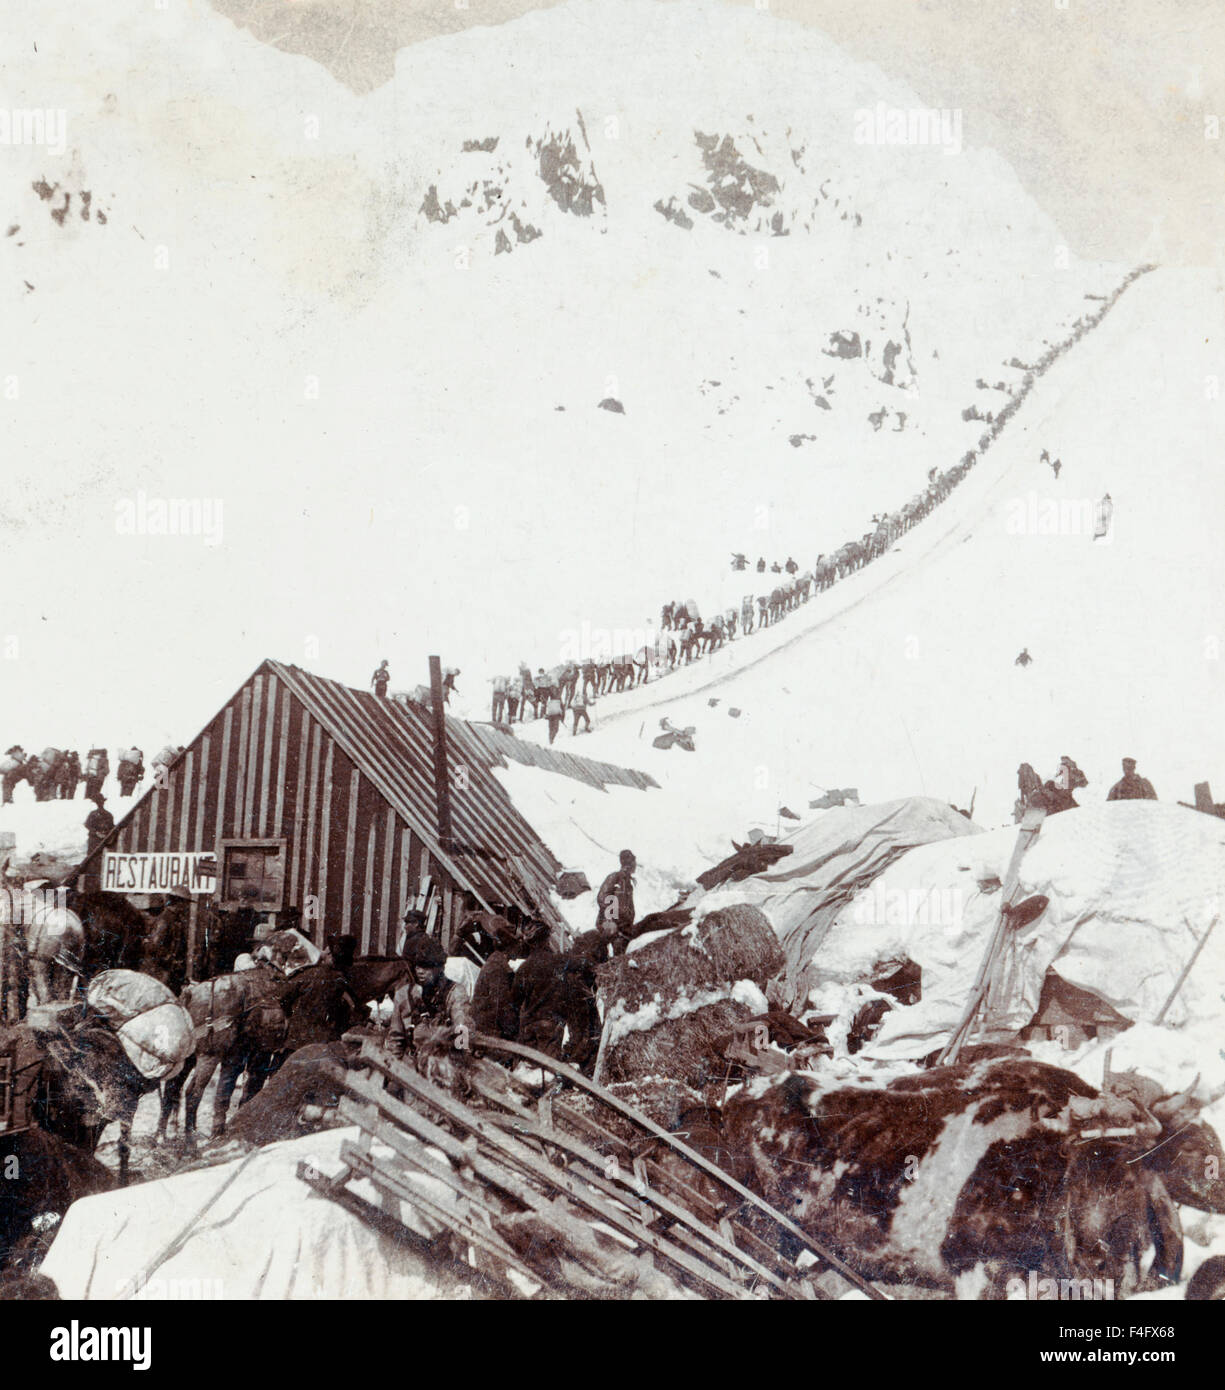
[[735, 184], [610, 403], [434, 210], [524, 231], [844, 344], [488, 145], [571, 186], [673, 213]]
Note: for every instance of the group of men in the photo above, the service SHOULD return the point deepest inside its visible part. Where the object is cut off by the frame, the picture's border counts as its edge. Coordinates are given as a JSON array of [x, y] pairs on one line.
[[524, 990], [1056, 794], [55, 773], [381, 679]]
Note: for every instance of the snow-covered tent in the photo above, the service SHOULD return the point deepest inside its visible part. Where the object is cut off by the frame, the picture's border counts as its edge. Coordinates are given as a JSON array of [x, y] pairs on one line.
[[836, 857], [1133, 888]]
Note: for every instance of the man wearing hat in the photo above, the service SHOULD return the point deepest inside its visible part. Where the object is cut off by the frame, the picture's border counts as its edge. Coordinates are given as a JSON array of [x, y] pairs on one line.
[[615, 900], [165, 954], [98, 824], [1131, 787]]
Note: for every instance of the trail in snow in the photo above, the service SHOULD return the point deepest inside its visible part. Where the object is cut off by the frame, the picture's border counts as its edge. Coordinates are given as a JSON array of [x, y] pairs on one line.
[[908, 685]]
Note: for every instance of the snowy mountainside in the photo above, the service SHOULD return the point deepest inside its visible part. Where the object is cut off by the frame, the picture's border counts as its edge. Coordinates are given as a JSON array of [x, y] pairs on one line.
[[407, 440]]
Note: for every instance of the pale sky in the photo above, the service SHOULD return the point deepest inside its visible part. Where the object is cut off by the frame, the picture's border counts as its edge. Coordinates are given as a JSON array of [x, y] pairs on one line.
[[1103, 107]]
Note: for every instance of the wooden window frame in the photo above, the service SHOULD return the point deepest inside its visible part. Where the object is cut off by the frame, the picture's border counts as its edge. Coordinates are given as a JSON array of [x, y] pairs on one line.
[[226, 903]]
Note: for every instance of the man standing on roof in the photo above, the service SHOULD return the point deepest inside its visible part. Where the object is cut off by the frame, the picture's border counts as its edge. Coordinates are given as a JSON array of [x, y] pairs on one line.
[[615, 899], [381, 678], [1131, 787]]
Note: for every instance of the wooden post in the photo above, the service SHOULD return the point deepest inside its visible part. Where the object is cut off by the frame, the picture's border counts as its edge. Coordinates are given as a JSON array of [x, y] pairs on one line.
[[442, 790]]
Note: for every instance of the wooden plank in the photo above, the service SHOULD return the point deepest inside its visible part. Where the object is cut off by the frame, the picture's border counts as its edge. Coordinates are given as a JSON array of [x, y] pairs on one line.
[[575, 1118], [197, 840], [385, 945], [276, 827], [400, 1184], [301, 778], [573, 1229], [368, 888], [584, 1192], [240, 772], [385, 1223], [260, 812], [324, 833], [310, 879], [251, 757], [222, 780], [346, 910], [183, 837], [406, 851], [698, 1160], [155, 801], [594, 1169], [171, 799]]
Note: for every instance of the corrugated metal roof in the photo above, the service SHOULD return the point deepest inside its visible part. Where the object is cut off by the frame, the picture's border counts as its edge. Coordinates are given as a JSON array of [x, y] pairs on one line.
[[391, 741]]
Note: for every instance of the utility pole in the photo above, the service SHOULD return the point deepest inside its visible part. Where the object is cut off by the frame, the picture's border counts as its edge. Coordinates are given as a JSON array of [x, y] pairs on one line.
[[442, 789]]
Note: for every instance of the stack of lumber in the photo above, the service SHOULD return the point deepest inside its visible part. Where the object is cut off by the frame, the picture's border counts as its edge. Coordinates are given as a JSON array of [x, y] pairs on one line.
[[545, 1199]]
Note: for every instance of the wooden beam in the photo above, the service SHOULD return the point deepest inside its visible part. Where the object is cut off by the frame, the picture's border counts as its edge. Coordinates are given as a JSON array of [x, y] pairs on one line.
[[698, 1160]]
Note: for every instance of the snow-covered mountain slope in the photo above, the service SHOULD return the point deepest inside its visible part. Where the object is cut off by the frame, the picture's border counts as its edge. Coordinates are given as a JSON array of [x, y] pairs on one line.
[[397, 406], [901, 679]]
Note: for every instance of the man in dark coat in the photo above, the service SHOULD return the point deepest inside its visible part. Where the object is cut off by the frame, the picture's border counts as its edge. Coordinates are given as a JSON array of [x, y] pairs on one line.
[[317, 1003], [98, 824], [1131, 787], [493, 1005], [69, 776], [380, 678], [165, 955], [555, 997], [615, 898]]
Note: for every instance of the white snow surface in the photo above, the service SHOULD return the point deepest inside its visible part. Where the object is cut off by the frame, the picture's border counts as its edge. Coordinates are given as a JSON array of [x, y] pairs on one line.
[[396, 417]]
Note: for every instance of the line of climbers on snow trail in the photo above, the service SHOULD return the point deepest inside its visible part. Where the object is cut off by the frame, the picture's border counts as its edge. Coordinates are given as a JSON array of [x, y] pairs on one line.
[[55, 773], [684, 636]]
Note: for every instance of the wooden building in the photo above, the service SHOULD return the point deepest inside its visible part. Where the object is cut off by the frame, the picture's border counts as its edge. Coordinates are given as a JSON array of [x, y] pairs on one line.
[[302, 792]]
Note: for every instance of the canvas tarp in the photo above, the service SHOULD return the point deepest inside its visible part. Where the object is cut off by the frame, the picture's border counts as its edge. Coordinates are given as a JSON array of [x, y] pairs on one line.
[[267, 1235], [833, 859], [1133, 886]]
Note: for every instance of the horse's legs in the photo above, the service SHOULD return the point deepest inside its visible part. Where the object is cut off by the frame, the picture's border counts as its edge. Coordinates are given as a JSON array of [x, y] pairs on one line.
[[232, 1065], [259, 1069], [206, 1065], [172, 1090]]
